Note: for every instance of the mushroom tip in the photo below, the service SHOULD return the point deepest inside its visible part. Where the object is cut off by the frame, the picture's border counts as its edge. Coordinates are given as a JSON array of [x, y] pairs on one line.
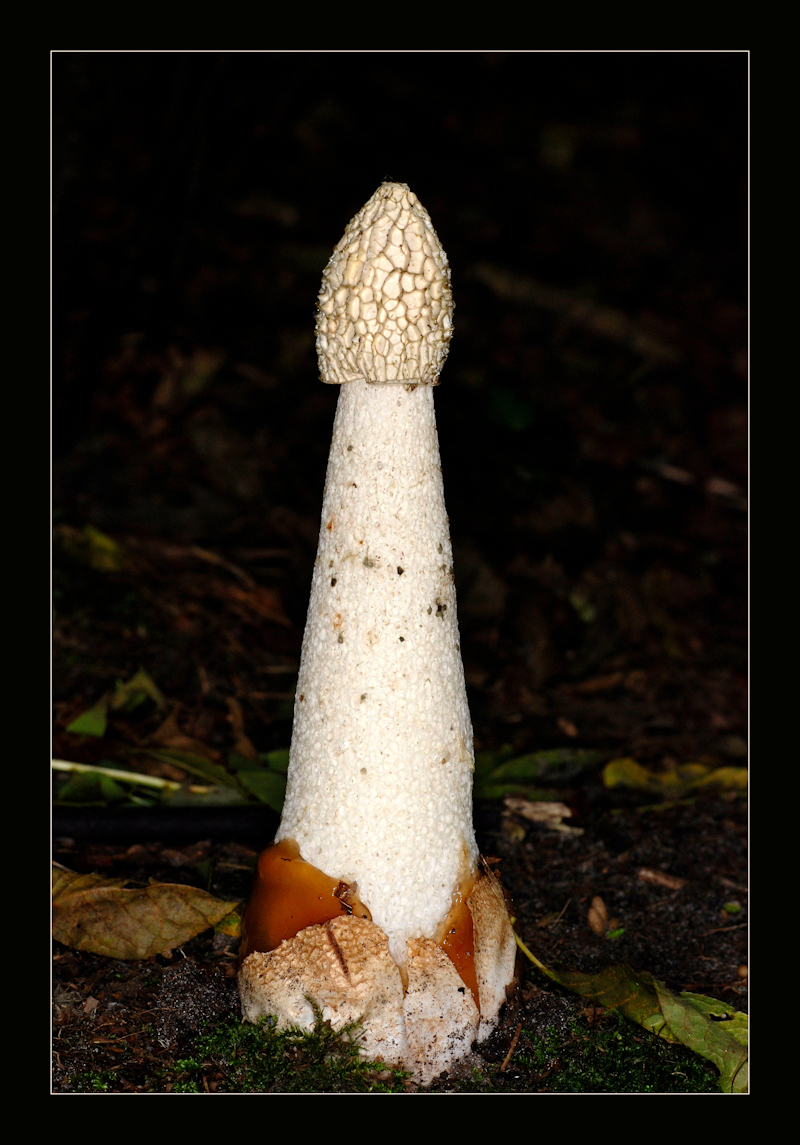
[[385, 309]]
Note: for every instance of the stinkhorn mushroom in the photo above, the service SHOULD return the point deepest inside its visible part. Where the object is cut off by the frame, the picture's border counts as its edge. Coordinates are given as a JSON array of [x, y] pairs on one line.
[[373, 905]]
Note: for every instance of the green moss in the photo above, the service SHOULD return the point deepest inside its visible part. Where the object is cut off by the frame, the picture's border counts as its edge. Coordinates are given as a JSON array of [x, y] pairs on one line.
[[609, 1055], [606, 1055], [619, 1057], [241, 1058], [94, 1081]]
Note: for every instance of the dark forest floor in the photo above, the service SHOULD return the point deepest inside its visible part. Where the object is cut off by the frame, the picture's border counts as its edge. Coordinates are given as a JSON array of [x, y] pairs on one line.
[[593, 428]]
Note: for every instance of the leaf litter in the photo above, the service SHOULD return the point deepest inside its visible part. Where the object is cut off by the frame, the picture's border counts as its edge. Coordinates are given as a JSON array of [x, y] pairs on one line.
[[707, 1026], [104, 916]]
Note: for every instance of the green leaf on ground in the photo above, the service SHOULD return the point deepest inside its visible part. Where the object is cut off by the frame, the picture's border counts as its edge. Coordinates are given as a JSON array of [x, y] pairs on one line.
[[497, 775], [676, 781], [260, 779], [138, 689], [92, 722], [91, 787], [231, 924], [712, 1029], [196, 764], [103, 916], [126, 697], [267, 786], [93, 548], [276, 760]]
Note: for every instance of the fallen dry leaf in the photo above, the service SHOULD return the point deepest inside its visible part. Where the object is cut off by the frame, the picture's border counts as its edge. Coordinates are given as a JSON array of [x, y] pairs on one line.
[[242, 743], [539, 810], [103, 916], [598, 683], [266, 602], [598, 916], [170, 735], [550, 812], [605, 321]]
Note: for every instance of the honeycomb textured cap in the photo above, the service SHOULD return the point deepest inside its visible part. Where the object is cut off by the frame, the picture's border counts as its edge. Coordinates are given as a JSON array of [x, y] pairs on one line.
[[385, 309]]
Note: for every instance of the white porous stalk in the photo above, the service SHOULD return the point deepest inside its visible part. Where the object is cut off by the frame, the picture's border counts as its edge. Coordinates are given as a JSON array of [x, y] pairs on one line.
[[380, 774]]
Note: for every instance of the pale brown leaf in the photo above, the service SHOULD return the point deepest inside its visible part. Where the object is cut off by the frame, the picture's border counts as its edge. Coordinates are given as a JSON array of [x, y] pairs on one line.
[[103, 916], [598, 916]]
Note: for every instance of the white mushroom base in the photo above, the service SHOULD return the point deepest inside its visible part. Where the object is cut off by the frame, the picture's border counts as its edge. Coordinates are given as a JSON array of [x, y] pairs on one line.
[[344, 967]]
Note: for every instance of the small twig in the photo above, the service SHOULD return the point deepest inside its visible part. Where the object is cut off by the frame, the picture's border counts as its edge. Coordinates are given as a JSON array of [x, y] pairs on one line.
[[561, 912], [115, 773], [730, 884], [605, 321], [722, 929], [512, 1047], [216, 559]]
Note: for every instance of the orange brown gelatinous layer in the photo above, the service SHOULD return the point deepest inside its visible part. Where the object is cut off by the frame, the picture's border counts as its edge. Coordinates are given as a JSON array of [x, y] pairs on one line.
[[458, 942], [290, 894]]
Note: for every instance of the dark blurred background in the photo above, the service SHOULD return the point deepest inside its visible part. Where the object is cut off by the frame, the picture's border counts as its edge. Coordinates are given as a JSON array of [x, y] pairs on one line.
[[592, 412]]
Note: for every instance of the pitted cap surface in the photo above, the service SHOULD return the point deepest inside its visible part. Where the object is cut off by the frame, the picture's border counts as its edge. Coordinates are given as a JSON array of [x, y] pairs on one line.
[[385, 309]]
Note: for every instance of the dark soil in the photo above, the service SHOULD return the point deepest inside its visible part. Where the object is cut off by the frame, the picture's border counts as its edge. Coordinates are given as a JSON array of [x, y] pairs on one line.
[[593, 427]]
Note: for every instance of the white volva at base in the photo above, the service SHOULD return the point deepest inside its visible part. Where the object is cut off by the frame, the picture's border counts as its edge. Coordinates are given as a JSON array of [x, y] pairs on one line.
[[346, 969]]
